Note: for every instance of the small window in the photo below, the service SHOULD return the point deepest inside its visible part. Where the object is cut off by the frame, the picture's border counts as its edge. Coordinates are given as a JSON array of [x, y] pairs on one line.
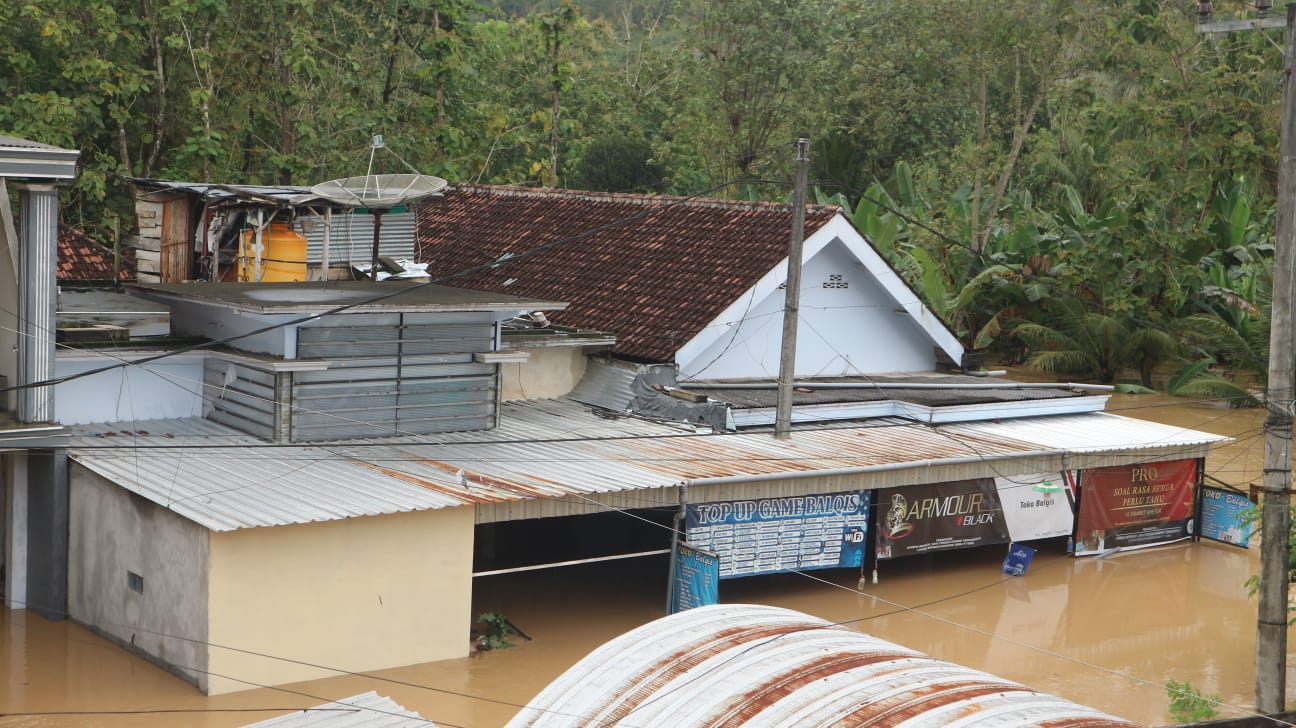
[[135, 582]]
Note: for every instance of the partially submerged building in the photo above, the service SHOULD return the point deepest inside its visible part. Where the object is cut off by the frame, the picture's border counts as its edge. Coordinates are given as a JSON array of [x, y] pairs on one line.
[[312, 476]]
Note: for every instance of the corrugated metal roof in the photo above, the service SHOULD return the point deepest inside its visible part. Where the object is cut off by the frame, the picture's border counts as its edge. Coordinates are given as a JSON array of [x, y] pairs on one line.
[[272, 194], [226, 480], [1088, 433], [351, 239], [24, 158], [756, 666], [368, 710]]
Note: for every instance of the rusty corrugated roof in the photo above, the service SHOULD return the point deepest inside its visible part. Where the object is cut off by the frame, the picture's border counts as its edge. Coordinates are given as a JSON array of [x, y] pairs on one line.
[[227, 480], [760, 666], [653, 270]]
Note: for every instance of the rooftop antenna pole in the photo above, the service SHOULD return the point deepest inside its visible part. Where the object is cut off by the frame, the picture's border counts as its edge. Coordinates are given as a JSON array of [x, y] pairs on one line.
[[792, 298], [377, 213]]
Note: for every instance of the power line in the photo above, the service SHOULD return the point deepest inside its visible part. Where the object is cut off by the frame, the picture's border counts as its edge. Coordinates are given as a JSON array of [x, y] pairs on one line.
[[502, 260]]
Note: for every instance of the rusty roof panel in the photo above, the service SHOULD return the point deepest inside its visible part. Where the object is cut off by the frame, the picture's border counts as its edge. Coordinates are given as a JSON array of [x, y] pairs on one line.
[[227, 480], [760, 666]]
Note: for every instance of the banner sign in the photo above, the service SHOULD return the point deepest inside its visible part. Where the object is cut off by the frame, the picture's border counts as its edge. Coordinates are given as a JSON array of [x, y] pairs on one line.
[[1226, 516], [1135, 505], [771, 535], [1036, 506], [1018, 560], [918, 519], [695, 579]]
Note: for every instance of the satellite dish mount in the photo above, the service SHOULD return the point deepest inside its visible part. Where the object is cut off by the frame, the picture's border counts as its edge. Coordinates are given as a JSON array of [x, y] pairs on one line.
[[379, 192]]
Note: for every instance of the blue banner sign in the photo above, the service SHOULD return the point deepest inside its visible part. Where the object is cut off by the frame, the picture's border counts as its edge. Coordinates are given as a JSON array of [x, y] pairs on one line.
[[772, 535], [1226, 516], [695, 580], [1019, 559]]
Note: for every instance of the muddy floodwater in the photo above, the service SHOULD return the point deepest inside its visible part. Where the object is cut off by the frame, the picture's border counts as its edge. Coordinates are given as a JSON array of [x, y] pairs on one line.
[[1105, 632]]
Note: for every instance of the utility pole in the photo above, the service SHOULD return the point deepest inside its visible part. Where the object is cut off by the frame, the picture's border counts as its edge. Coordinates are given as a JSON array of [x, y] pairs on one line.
[[1275, 513], [792, 299], [1275, 519]]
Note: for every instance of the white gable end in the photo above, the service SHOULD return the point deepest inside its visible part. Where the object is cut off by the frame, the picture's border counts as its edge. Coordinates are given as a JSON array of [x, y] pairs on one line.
[[857, 317]]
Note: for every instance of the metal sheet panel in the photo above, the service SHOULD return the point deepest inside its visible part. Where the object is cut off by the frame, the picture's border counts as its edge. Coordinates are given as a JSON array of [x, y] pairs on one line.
[[1092, 432], [560, 451], [760, 666], [367, 710], [351, 240], [398, 378]]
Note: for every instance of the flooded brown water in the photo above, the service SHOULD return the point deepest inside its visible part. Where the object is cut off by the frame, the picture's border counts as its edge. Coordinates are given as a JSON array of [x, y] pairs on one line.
[[1107, 632]]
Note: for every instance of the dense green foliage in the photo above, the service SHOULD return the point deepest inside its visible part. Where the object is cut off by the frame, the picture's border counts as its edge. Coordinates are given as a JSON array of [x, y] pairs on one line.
[[1086, 184]]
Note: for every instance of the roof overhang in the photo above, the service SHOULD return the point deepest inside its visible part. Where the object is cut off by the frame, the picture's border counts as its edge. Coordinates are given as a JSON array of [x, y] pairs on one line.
[[225, 480], [836, 229], [945, 414], [322, 297], [25, 159]]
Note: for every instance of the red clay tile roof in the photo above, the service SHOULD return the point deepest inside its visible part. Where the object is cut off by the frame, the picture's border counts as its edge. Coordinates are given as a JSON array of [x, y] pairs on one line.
[[81, 258], [652, 270]]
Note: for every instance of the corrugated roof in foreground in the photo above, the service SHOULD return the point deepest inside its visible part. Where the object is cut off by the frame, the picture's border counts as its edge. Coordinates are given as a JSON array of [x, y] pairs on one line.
[[367, 710], [758, 666], [226, 480]]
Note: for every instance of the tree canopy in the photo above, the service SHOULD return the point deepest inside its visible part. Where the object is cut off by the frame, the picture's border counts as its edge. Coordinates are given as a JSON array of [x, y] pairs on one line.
[[1051, 163]]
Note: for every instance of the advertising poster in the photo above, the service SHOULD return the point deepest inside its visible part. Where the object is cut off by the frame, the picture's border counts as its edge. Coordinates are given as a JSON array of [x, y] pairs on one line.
[[919, 519], [1226, 516], [1135, 505], [770, 535], [1036, 506], [695, 581], [1018, 560]]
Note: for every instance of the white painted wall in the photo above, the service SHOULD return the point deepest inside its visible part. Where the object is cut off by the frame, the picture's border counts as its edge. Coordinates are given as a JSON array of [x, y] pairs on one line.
[[158, 390], [112, 531], [217, 322], [849, 325], [548, 373]]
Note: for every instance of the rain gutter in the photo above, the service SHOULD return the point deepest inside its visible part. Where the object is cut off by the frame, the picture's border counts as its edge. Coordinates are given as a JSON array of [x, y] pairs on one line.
[[909, 385], [859, 470]]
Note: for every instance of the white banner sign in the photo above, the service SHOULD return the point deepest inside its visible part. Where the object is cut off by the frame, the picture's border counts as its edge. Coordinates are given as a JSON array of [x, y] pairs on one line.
[[1036, 506]]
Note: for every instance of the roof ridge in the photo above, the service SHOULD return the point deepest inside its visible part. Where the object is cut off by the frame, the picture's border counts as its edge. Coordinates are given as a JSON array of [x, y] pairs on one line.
[[631, 198]]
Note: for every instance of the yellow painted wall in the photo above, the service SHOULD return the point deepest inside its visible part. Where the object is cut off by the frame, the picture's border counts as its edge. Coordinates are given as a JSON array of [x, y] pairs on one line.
[[359, 594], [550, 372]]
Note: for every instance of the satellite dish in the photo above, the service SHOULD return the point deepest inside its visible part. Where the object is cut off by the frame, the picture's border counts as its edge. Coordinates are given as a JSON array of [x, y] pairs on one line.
[[379, 192]]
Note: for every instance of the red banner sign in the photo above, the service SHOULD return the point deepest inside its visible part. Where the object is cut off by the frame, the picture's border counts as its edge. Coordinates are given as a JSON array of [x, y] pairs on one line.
[[1136, 505]]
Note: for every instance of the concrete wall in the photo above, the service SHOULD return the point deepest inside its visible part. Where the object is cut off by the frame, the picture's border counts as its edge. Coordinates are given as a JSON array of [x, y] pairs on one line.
[[114, 531], [550, 372], [159, 390], [8, 298], [13, 470], [358, 594]]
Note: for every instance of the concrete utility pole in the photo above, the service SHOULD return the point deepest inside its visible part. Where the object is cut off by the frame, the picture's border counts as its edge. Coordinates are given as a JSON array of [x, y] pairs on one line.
[[1275, 514], [1271, 630], [792, 299]]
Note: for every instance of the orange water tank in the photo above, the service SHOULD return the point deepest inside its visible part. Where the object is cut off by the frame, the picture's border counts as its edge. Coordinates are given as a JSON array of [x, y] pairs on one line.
[[283, 255]]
